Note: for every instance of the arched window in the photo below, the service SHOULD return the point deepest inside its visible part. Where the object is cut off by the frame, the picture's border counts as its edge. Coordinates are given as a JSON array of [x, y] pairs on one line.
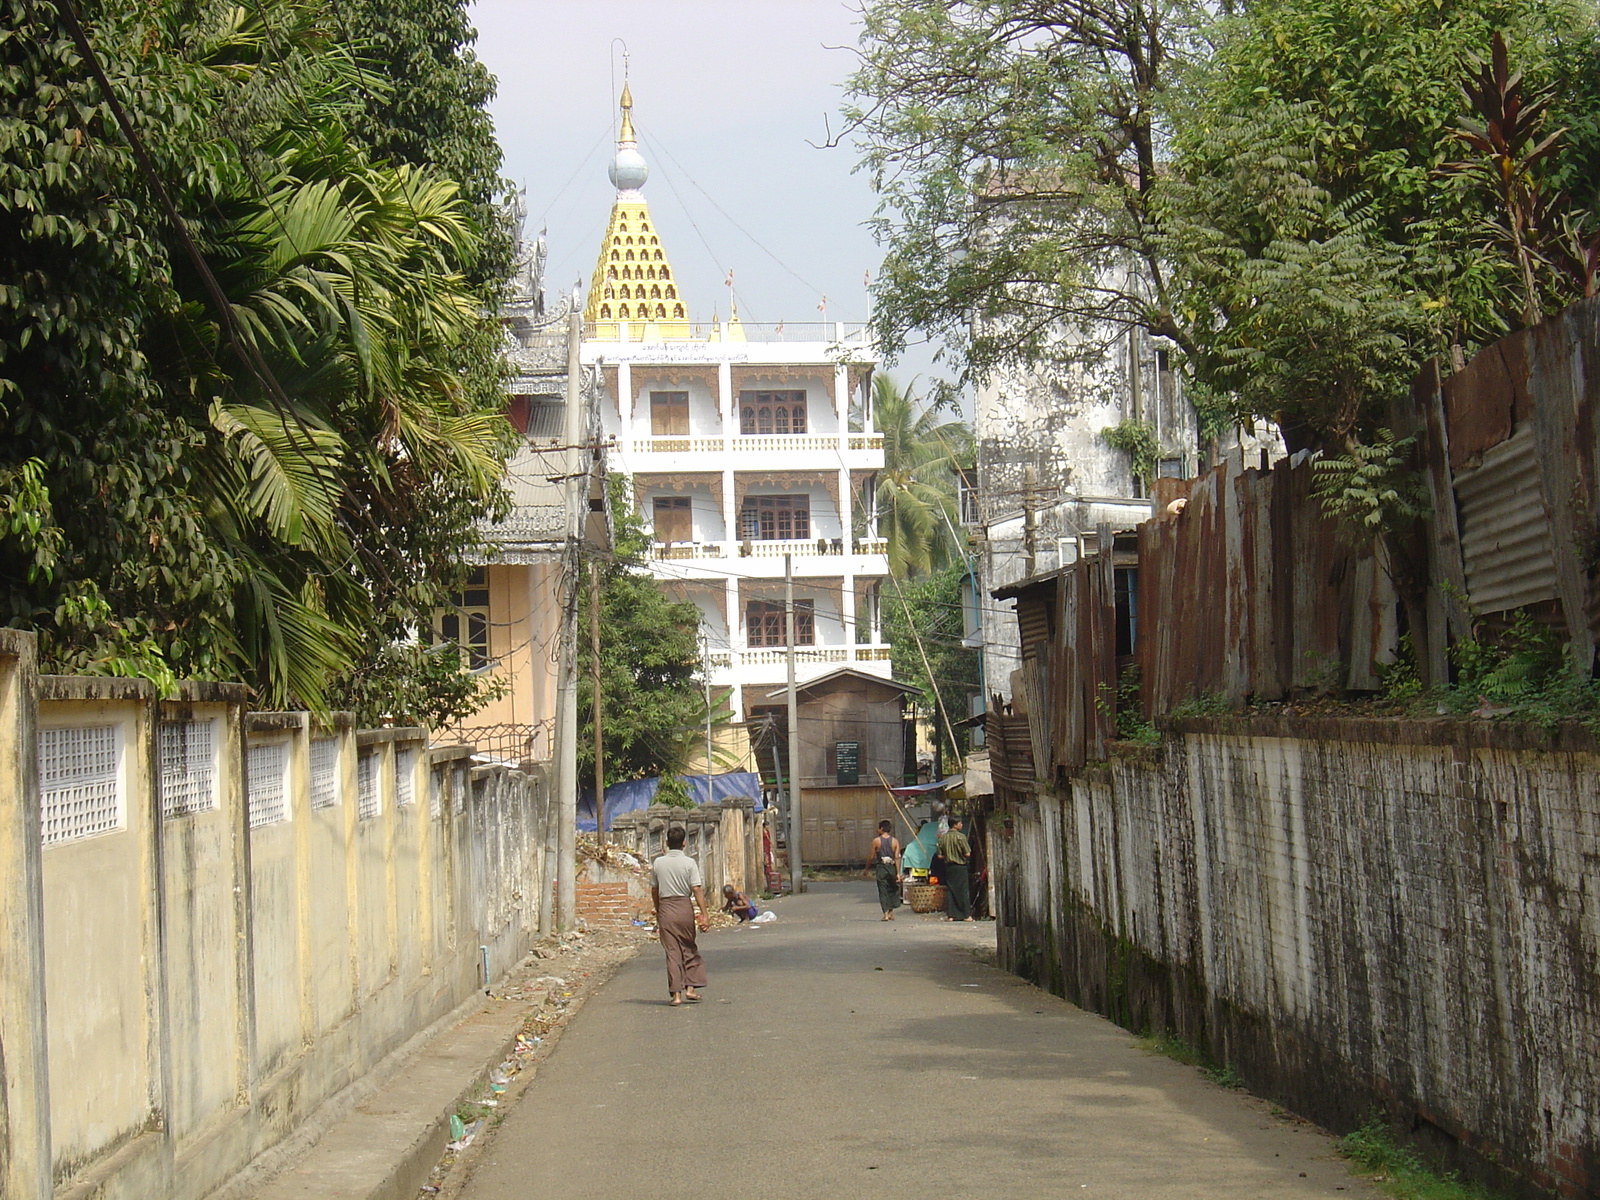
[[611, 272], [666, 272], [655, 292], [616, 256], [772, 412], [661, 310], [605, 312], [658, 256], [622, 311], [610, 292], [672, 292], [630, 255], [677, 310]]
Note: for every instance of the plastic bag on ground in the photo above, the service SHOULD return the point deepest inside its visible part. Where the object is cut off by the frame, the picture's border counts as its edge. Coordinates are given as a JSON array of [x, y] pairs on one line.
[[764, 918]]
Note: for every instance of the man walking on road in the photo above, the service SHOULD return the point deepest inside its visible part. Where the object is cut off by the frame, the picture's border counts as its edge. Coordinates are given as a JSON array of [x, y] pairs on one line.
[[678, 890], [957, 850], [885, 860]]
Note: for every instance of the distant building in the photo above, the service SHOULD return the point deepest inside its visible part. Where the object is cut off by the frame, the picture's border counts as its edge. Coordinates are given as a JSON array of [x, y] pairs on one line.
[[507, 618], [744, 444], [1048, 477]]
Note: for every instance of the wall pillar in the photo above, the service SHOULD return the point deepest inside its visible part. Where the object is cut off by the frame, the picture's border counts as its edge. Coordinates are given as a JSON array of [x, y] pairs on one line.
[[25, 1153]]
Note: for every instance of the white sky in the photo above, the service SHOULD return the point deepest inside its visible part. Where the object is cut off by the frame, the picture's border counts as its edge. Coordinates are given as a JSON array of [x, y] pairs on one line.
[[727, 96]]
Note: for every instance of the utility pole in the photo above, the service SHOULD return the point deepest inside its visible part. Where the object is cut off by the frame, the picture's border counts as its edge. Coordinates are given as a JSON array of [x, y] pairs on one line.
[[577, 485], [594, 674], [705, 659], [794, 728], [1030, 548]]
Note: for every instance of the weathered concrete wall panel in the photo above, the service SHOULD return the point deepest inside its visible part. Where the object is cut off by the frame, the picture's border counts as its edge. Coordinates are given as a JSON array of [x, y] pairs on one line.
[[194, 955], [1378, 918]]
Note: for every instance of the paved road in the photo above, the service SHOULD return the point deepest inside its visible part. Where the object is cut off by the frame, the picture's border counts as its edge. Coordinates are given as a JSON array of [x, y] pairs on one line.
[[838, 1055]]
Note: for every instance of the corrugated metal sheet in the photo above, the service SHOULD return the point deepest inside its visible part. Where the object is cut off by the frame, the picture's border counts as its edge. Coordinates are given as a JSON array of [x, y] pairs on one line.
[[1505, 527]]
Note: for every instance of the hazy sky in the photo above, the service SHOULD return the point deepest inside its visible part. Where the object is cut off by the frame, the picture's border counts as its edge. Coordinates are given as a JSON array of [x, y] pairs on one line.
[[728, 95]]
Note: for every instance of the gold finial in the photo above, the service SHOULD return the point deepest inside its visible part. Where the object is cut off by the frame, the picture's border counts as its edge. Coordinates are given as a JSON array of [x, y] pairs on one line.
[[627, 114]]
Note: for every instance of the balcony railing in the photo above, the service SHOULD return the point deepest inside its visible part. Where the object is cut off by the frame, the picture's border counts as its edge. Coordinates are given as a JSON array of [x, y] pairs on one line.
[[776, 548], [785, 442], [681, 550], [852, 332], [768, 656], [760, 443], [680, 445]]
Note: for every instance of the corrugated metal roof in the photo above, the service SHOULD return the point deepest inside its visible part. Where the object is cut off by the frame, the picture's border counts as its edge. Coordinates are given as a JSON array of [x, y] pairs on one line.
[[1505, 528]]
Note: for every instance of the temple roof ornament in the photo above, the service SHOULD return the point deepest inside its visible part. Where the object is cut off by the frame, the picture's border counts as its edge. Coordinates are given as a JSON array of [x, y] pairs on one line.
[[633, 293]]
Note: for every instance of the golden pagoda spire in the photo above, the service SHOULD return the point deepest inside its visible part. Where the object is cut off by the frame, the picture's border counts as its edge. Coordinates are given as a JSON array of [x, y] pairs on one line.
[[626, 136], [633, 294]]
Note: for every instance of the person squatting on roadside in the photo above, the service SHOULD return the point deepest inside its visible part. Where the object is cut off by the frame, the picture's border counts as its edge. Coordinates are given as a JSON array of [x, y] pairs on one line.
[[957, 851], [884, 861], [678, 890], [740, 905]]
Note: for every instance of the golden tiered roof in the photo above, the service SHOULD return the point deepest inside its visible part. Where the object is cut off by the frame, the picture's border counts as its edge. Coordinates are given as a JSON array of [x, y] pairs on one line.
[[633, 281]]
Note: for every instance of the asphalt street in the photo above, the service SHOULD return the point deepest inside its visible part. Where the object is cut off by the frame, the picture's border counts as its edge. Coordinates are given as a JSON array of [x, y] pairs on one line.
[[839, 1055]]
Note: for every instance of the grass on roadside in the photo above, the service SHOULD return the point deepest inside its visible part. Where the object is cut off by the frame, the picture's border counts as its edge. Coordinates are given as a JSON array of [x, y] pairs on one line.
[[1400, 1173], [1171, 1046]]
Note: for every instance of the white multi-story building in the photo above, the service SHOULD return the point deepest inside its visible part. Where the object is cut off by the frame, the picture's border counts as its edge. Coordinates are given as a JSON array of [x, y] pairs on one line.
[[745, 444]]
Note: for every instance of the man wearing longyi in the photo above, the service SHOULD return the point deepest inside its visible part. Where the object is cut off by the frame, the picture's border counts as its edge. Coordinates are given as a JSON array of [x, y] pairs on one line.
[[678, 891]]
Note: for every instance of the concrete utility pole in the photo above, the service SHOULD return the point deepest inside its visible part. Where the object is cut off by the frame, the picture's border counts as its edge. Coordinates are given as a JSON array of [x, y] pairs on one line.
[[594, 674], [705, 659], [577, 481], [794, 728]]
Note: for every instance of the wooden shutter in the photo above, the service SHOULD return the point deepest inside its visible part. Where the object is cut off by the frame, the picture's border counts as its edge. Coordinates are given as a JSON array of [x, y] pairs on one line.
[[669, 414]]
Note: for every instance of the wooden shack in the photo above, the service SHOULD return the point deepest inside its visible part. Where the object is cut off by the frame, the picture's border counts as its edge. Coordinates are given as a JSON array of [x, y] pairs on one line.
[[852, 727]]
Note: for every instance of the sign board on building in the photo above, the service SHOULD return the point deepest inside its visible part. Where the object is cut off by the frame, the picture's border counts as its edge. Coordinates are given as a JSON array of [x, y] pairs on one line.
[[847, 762]]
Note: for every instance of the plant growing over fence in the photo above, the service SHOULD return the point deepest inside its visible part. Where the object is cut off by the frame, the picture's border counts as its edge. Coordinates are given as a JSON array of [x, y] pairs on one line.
[[1138, 439], [670, 790], [1370, 489]]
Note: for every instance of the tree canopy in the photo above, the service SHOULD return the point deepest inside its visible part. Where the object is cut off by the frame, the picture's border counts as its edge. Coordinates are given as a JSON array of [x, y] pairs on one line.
[[915, 492], [652, 706], [1271, 190], [243, 382]]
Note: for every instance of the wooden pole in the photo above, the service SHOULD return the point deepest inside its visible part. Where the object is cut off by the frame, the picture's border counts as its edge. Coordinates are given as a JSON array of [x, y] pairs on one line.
[[594, 674]]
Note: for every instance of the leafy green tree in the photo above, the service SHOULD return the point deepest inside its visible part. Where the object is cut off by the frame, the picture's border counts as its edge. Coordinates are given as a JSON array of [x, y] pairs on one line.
[[1016, 145], [429, 107], [237, 370], [1264, 189], [649, 662], [1383, 89], [932, 606], [916, 489]]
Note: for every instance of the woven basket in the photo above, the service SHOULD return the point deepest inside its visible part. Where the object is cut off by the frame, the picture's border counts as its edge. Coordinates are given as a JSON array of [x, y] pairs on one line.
[[925, 897]]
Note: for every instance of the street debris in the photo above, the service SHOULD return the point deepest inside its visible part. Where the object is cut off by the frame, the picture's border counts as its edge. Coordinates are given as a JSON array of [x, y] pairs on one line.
[[549, 999]]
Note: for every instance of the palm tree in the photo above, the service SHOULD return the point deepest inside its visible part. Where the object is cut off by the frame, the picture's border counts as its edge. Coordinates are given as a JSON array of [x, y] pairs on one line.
[[916, 490]]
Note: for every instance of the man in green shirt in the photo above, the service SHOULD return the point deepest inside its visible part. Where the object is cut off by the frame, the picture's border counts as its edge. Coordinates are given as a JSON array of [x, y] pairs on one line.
[[955, 848]]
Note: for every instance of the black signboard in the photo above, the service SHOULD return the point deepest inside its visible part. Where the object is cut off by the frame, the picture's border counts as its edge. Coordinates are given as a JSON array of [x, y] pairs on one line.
[[847, 761]]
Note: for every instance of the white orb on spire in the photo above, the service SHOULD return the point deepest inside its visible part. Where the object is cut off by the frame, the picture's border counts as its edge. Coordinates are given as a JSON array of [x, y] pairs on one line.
[[628, 169]]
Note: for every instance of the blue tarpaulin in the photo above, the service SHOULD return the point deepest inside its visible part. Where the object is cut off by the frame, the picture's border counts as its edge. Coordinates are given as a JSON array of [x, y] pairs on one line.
[[638, 793], [919, 852]]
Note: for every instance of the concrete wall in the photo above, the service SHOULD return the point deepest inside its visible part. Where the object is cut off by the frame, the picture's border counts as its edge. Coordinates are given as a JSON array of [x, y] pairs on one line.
[[724, 838], [190, 970], [1355, 914]]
